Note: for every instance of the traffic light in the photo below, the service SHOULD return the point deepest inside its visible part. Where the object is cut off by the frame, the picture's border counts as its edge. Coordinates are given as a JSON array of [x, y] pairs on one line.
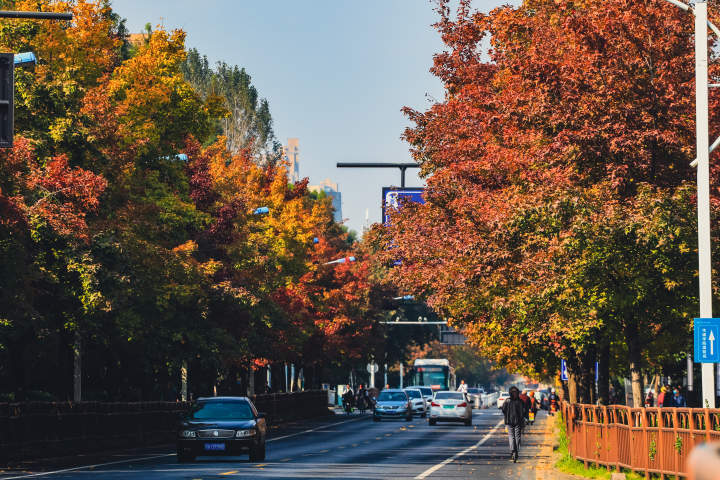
[[7, 95]]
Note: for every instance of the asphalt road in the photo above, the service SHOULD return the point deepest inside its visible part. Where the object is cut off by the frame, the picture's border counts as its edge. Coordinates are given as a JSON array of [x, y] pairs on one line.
[[340, 447]]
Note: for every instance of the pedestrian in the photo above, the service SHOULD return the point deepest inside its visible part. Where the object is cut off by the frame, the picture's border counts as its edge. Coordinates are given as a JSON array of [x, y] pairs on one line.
[[526, 400], [462, 387], [661, 396], [650, 399], [678, 399], [554, 401], [534, 406], [514, 413]]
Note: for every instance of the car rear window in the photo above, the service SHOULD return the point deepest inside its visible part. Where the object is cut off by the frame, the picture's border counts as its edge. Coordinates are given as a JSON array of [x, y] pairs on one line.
[[222, 411], [413, 393], [392, 397], [448, 396]]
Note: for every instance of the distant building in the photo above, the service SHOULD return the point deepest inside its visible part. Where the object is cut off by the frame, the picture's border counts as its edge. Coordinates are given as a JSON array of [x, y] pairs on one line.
[[291, 155], [331, 189]]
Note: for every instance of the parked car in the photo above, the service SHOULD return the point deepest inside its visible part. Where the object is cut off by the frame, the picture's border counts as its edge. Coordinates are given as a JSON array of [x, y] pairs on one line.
[[427, 393], [222, 426], [475, 396], [392, 403], [450, 407], [501, 399], [419, 406]]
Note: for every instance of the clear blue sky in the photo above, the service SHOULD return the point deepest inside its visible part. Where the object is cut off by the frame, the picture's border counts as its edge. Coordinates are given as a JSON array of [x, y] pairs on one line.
[[336, 74]]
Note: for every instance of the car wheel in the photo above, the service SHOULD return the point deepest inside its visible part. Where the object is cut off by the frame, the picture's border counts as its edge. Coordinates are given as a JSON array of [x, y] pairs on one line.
[[185, 458], [432, 422], [257, 454]]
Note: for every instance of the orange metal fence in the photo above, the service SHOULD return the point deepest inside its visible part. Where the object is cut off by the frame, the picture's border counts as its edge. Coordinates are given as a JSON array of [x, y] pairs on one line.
[[649, 440]]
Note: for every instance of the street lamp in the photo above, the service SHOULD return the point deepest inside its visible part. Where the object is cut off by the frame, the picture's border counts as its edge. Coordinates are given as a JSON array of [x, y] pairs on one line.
[[24, 59], [703, 176], [340, 260]]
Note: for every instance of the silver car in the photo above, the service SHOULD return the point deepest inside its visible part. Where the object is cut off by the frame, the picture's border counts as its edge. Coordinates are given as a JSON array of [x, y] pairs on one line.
[[392, 403], [419, 406], [450, 407]]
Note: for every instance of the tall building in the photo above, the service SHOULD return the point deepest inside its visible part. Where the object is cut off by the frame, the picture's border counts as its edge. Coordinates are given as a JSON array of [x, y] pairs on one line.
[[291, 155], [331, 189]]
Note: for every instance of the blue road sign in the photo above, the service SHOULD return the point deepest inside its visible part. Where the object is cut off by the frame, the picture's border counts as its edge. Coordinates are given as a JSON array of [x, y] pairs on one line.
[[707, 336], [597, 372], [563, 370], [393, 197]]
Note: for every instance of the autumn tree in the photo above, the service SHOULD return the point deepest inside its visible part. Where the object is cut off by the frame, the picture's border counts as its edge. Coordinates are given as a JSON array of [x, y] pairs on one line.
[[559, 208]]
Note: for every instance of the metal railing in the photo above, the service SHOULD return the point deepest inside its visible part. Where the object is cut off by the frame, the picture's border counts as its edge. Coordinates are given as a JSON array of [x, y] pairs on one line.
[[44, 429], [647, 440]]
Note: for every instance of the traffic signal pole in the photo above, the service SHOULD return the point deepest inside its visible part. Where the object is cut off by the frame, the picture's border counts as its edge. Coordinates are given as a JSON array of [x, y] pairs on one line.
[[401, 166], [7, 75], [35, 15]]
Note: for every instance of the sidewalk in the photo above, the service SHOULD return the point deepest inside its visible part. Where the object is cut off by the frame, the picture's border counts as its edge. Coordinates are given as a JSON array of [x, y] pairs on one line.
[[545, 469]]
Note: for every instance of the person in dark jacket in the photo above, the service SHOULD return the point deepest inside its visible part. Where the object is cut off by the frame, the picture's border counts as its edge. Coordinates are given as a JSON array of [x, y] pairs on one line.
[[514, 411], [678, 400]]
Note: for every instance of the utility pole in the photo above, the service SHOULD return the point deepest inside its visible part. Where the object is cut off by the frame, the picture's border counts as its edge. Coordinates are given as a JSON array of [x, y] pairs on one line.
[[703, 185], [401, 166]]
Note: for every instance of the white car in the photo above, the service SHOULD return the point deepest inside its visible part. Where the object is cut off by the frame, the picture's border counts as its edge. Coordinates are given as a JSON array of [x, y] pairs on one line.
[[450, 407], [419, 406], [501, 399], [427, 393]]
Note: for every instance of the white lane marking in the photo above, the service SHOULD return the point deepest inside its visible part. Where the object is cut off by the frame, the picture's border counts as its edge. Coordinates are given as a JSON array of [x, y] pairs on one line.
[[73, 469], [312, 429], [139, 459], [437, 467]]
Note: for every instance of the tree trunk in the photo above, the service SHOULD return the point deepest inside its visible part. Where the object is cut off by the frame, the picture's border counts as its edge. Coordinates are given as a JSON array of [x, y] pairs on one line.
[[77, 368], [572, 391], [251, 382], [634, 356]]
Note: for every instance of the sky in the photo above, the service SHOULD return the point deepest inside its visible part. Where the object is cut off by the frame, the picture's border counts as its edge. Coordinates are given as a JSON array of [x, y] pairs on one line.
[[335, 72]]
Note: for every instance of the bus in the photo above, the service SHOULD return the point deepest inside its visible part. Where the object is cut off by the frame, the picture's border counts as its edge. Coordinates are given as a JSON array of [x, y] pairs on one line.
[[435, 373]]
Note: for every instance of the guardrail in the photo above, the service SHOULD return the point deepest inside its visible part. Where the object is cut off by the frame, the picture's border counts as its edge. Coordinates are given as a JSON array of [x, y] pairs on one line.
[[45, 429], [648, 440], [490, 400]]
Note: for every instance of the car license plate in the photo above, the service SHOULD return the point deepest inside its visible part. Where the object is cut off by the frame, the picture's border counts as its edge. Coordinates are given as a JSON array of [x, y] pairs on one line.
[[448, 406], [215, 447]]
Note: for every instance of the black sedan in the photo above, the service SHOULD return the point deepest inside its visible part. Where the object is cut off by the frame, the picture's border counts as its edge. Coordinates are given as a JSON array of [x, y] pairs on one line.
[[222, 426]]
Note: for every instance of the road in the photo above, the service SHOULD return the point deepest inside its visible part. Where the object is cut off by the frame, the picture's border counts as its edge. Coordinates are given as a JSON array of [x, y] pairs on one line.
[[342, 447]]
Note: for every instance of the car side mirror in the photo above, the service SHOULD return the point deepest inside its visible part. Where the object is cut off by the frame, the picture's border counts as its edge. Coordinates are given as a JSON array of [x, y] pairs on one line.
[[261, 415]]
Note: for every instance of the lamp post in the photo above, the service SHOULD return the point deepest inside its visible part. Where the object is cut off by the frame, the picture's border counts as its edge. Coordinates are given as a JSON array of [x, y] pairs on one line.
[[703, 176]]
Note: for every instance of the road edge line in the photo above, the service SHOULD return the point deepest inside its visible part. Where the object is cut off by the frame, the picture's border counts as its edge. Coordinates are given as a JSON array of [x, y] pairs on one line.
[[73, 469], [440, 465]]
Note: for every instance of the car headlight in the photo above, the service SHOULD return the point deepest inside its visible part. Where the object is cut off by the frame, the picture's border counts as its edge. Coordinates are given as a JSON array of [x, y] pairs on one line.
[[244, 433], [188, 434]]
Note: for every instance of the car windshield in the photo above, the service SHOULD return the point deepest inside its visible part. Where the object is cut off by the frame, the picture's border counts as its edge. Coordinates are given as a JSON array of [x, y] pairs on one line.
[[426, 391], [222, 411], [448, 396], [473, 390], [392, 397], [413, 393]]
